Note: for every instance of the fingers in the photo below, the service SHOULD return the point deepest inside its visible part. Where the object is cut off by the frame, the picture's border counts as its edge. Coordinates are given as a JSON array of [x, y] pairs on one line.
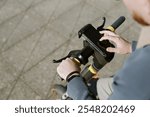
[[110, 49], [106, 32], [108, 35], [110, 38]]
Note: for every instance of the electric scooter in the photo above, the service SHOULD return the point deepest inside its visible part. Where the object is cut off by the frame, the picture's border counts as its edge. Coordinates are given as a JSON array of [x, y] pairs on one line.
[[91, 47]]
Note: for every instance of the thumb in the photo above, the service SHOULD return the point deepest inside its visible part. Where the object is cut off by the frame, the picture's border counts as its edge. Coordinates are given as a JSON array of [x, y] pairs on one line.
[[110, 49]]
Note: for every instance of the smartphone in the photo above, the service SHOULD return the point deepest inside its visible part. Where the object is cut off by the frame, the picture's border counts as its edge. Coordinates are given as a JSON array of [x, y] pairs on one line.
[[92, 36]]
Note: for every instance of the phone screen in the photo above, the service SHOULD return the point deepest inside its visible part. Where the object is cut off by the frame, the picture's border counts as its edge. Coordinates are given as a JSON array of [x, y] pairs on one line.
[[92, 36]]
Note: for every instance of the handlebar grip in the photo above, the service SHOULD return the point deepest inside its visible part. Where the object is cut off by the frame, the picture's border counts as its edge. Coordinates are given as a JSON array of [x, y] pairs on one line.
[[118, 22]]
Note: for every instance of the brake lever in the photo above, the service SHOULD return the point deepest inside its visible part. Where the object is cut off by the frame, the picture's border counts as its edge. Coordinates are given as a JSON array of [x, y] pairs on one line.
[[100, 28], [72, 53]]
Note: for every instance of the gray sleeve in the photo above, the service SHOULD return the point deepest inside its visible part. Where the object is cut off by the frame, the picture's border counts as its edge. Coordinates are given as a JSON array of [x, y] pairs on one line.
[[77, 89], [134, 44], [132, 82]]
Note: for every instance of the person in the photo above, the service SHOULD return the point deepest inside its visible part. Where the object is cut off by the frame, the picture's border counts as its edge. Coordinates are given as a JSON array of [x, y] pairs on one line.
[[132, 81]]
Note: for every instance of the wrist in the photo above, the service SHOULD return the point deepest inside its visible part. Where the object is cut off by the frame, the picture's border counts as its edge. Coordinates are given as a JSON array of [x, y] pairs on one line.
[[72, 75]]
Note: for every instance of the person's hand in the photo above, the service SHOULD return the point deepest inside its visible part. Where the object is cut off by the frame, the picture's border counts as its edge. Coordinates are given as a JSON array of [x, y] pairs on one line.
[[121, 45], [66, 67]]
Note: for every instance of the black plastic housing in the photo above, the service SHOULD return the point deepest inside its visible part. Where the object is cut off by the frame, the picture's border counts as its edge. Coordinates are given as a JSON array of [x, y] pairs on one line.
[[92, 36]]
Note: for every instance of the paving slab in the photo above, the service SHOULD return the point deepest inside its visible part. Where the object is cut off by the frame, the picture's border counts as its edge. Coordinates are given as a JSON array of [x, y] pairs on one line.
[[48, 43], [62, 7], [9, 9], [7, 28], [7, 78], [42, 76], [28, 25], [66, 23], [46, 9], [19, 55], [23, 91], [104, 5]]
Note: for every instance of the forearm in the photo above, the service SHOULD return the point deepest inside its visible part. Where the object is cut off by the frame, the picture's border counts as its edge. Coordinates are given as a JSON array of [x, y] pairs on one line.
[[78, 90]]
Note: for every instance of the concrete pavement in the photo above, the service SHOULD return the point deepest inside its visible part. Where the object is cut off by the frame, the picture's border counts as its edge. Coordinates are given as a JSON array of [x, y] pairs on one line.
[[34, 32]]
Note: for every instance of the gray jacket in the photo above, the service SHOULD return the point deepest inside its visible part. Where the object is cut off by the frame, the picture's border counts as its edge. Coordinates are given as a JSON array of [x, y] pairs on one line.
[[132, 81]]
